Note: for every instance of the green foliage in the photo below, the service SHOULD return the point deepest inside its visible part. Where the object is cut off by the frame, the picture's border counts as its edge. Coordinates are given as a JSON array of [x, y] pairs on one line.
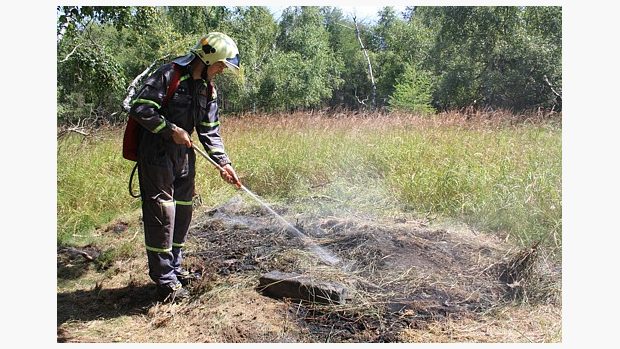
[[90, 81], [255, 31], [398, 43], [283, 86], [232, 94], [491, 56], [93, 74], [353, 71], [189, 20], [502, 57], [75, 18], [304, 72], [198, 20], [413, 92]]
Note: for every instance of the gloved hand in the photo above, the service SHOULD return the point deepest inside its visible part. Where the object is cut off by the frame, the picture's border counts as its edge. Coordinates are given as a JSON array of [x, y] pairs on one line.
[[230, 176]]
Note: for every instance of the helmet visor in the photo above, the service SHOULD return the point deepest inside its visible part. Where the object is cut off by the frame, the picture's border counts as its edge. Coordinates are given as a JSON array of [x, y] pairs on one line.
[[232, 63], [184, 60]]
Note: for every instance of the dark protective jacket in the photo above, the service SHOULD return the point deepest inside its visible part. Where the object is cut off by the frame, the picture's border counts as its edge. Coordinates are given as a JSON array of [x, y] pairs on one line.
[[193, 105], [167, 170]]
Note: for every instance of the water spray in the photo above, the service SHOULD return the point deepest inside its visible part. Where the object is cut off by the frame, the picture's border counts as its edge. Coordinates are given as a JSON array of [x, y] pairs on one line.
[[320, 252]]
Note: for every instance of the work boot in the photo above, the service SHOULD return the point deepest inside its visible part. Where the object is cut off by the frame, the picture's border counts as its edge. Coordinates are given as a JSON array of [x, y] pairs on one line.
[[186, 277], [172, 292]]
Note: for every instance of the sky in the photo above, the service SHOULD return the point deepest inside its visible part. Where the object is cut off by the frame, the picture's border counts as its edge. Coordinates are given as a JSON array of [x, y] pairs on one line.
[[364, 13]]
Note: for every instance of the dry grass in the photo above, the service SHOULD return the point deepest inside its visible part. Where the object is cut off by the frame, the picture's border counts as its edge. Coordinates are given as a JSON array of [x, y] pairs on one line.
[[362, 122], [511, 324], [218, 312]]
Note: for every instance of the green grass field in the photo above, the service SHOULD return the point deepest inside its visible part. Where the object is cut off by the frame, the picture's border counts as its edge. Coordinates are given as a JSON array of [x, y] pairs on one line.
[[494, 175]]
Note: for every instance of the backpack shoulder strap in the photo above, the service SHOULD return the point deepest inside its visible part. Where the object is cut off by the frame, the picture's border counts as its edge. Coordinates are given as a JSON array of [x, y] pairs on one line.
[[174, 83]]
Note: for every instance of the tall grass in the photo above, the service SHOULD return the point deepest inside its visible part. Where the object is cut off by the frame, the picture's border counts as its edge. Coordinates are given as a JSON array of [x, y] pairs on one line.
[[92, 185], [494, 175], [505, 179]]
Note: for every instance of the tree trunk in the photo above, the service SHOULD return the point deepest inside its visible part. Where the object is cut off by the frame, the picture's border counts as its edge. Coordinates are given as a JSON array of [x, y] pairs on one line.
[[372, 79]]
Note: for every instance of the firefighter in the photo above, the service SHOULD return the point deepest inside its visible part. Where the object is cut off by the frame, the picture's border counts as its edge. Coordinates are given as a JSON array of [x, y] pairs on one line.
[[166, 159]]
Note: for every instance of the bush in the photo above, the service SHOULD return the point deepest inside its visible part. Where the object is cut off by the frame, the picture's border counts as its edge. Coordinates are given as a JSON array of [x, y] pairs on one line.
[[412, 92]]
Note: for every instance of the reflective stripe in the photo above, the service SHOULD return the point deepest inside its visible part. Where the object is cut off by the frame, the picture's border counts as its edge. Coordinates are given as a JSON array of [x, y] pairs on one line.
[[184, 203], [174, 244], [161, 126], [216, 150], [167, 203], [155, 249], [184, 77], [146, 101], [210, 124]]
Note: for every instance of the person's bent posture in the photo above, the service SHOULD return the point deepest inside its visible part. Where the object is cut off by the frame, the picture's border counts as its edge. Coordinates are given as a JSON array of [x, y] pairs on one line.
[[178, 98]]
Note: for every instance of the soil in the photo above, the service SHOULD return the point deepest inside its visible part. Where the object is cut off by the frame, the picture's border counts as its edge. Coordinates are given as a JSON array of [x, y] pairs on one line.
[[401, 275]]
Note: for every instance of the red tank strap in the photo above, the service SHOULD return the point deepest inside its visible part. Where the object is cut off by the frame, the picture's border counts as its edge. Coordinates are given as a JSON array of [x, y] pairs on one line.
[[174, 82]]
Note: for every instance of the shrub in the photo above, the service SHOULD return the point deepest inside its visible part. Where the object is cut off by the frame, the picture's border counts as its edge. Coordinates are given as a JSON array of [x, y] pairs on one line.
[[412, 92]]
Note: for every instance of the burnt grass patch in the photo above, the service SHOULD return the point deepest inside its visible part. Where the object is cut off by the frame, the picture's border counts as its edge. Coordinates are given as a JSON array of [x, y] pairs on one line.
[[72, 262], [399, 273]]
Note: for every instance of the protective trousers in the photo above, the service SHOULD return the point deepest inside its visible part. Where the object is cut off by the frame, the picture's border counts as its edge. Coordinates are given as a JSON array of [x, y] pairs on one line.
[[166, 172]]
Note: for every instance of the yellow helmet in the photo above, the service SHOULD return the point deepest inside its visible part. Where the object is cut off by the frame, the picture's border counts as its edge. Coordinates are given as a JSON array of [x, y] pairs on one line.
[[218, 47]]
